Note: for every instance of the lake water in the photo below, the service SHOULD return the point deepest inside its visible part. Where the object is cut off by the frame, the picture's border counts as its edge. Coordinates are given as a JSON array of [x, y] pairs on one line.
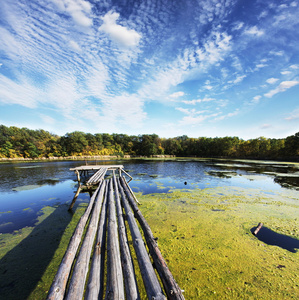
[[201, 211], [25, 188]]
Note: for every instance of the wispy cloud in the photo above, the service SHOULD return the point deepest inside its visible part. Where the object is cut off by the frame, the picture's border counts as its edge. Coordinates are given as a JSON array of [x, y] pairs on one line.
[[283, 86], [193, 102], [272, 80], [254, 31], [294, 115], [79, 10], [177, 95]]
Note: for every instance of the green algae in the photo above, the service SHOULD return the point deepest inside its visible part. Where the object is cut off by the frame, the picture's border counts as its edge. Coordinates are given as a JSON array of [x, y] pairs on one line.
[[26, 187], [215, 254]]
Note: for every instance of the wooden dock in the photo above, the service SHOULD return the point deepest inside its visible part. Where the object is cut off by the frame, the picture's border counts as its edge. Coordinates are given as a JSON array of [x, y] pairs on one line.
[[98, 262]]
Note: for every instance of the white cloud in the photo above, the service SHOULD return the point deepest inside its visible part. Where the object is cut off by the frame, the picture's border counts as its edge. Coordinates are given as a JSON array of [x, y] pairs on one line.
[[294, 67], [192, 120], [20, 92], [254, 31], [193, 102], [277, 53], [272, 80], [238, 26], [121, 35], [294, 115], [126, 109], [229, 115], [79, 10], [74, 45], [177, 95], [239, 79], [256, 99], [283, 86], [259, 66], [285, 72]]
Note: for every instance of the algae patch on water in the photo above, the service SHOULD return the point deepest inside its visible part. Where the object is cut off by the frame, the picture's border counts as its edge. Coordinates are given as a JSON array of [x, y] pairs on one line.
[[29, 258], [205, 237]]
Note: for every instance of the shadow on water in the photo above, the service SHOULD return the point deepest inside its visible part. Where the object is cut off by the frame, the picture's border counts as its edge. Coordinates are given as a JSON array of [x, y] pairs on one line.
[[271, 237], [23, 266]]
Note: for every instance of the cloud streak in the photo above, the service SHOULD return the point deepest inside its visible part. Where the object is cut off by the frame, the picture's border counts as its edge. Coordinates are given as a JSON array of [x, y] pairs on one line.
[[283, 86]]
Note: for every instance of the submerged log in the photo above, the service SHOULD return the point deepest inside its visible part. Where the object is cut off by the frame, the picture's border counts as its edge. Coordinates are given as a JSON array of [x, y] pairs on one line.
[[58, 286], [131, 287], [258, 228], [172, 289], [95, 286], [150, 280], [77, 283]]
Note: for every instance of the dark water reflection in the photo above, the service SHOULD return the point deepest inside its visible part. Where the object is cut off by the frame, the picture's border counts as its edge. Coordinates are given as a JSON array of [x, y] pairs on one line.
[[27, 187], [273, 238]]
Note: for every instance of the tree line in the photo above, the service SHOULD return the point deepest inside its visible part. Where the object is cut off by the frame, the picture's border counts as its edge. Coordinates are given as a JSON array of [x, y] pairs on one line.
[[26, 143]]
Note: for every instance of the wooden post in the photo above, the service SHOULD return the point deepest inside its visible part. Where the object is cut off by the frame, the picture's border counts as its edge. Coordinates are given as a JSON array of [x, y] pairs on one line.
[[75, 197], [78, 176], [58, 286], [172, 289], [126, 259], [150, 280], [77, 283], [95, 286]]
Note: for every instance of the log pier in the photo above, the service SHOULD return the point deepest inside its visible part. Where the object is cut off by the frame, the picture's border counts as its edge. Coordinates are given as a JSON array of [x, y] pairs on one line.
[[98, 263]]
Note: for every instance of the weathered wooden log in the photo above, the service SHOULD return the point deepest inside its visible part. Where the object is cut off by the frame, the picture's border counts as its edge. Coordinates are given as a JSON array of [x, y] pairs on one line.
[[58, 286], [122, 170], [150, 280], [258, 228], [77, 282], [95, 286], [171, 288], [131, 287], [115, 287]]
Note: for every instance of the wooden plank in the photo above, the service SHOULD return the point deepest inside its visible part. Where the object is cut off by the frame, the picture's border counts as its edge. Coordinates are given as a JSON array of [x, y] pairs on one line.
[[131, 287], [172, 289], [58, 286], [95, 286], [77, 282], [150, 280], [115, 287], [96, 167]]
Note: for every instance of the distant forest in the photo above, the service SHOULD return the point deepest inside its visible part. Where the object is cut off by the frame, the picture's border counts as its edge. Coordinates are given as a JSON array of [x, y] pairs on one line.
[[25, 143]]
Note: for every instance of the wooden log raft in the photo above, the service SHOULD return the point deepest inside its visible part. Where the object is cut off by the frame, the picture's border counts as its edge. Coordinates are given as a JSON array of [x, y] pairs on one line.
[[106, 214]]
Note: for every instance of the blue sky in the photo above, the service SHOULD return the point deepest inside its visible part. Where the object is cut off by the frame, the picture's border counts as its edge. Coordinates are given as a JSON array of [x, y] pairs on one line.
[[199, 68]]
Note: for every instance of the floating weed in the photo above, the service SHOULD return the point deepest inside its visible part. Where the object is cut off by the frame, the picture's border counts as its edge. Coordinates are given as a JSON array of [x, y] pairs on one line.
[[154, 176], [26, 187]]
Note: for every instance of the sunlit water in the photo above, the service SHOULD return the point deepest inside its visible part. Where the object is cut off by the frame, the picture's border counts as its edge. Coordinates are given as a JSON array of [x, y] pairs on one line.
[[25, 188]]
